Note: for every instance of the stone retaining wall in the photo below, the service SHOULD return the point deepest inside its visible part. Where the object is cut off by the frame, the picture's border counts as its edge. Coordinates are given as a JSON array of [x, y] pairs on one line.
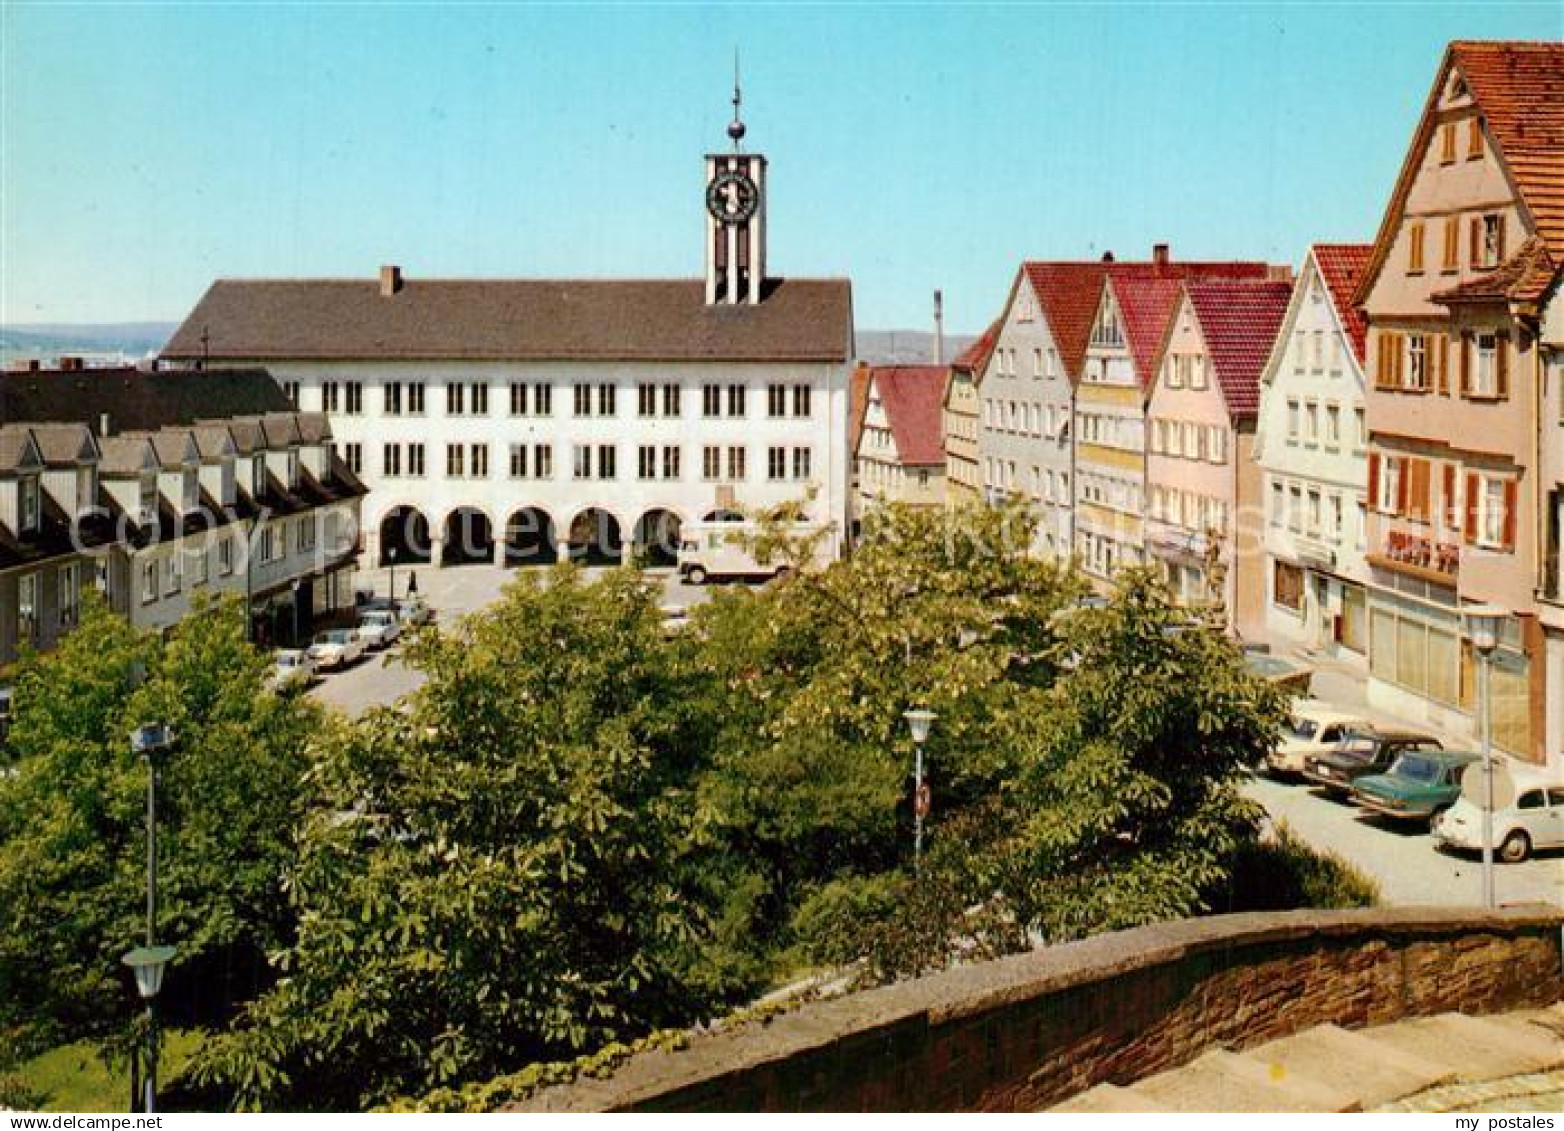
[[1035, 1028]]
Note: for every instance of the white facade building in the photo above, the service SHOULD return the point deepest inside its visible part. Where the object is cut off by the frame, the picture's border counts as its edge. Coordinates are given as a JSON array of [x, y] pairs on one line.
[[527, 420], [1312, 443]]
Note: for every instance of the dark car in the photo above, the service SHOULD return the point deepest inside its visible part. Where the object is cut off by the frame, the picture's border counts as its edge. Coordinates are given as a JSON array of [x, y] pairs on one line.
[[1422, 784], [1363, 752]]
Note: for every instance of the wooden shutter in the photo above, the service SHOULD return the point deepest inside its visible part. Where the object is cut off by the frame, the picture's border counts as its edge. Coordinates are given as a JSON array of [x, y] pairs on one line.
[[1373, 481], [1403, 485], [1466, 362], [1471, 507], [1419, 508], [1452, 518], [1501, 365], [1441, 359], [1499, 243], [1476, 229], [1511, 489], [1397, 361]]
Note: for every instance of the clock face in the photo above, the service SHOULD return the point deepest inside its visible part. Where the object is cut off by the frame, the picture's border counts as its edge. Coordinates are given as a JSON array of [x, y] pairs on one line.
[[732, 198]]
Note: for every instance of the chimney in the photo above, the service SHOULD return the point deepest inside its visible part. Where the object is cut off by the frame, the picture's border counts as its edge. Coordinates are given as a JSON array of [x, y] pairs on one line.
[[1278, 272], [1159, 254], [103, 424], [939, 327], [390, 280], [70, 364], [1107, 257]]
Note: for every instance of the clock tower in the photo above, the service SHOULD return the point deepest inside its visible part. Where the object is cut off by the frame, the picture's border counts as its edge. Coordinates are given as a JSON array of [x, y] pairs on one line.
[[735, 220]]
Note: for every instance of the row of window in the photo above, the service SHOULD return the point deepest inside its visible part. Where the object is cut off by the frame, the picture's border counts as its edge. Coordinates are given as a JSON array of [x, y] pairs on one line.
[[168, 574], [1126, 432], [1185, 439], [1309, 510], [1102, 555], [1186, 371], [1045, 363], [1308, 351], [1319, 423], [1480, 505], [1046, 485], [1420, 363], [1020, 418], [1110, 491], [1485, 243], [1189, 510], [67, 605], [590, 461], [471, 398]]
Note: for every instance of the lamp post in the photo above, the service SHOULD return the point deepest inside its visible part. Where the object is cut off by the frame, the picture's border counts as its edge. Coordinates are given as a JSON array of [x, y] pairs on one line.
[[1482, 627], [919, 721], [152, 742], [391, 560]]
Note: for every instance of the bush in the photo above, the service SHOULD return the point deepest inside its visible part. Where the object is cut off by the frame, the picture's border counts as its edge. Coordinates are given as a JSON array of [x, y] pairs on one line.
[[1281, 872]]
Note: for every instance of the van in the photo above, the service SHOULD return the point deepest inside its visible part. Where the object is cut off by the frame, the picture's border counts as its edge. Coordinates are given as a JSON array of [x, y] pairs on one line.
[[721, 550]]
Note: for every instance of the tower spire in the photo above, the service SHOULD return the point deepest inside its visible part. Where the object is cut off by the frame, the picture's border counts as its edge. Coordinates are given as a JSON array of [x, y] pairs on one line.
[[736, 127]]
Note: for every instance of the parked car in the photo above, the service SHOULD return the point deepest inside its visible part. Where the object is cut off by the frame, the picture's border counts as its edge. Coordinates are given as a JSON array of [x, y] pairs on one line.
[[1315, 728], [292, 669], [413, 612], [336, 648], [379, 628], [1421, 785], [1535, 819], [1364, 751]]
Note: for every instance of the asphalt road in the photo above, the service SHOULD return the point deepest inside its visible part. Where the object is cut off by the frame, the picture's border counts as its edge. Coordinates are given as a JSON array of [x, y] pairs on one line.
[[1402, 856]]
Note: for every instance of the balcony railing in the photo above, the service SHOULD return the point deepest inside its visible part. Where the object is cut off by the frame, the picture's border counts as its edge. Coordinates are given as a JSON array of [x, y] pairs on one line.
[[1422, 553]]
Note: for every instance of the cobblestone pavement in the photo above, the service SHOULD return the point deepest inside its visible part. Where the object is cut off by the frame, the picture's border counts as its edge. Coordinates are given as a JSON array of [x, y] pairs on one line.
[[1537, 1091]]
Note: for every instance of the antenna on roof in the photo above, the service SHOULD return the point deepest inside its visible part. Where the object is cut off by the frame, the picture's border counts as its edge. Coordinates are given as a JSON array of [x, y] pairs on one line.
[[736, 127]]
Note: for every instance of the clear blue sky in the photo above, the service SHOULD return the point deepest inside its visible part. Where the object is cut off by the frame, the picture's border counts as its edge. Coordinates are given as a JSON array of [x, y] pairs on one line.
[[146, 149]]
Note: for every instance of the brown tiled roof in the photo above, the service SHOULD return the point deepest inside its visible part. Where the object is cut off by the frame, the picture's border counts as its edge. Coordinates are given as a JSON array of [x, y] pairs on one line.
[[913, 397], [135, 400], [62, 445], [1520, 89], [17, 447], [1238, 322], [1146, 304], [314, 428], [1341, 267], [975, 357], [212, 440], [858, 402], [515, 320], [123, 455], [1526, 274]]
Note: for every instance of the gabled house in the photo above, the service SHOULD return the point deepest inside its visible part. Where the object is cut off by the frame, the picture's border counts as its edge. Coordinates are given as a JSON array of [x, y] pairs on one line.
[[1202, 482], [1122, 357], [900, 456], [1312, 444], [963, 478], [1470, 246]]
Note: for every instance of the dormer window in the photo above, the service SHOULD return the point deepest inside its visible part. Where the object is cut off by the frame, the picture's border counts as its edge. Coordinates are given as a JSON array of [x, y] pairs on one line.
[[190, 490], [148, 504], [228, 482], [28, 503], [1107, 331], [258, 476]]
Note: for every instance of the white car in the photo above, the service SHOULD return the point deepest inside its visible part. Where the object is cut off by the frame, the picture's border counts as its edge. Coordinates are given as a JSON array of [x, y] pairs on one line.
[[1535, 819], [337, 648], [379, 628], [1314, 729], [291, 668]]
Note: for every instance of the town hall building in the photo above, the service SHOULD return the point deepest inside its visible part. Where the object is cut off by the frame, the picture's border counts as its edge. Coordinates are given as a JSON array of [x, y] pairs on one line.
[[526, 420]]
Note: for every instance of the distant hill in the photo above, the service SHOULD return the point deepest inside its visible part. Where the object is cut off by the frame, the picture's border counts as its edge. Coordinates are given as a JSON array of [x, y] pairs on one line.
[[907, 347], [127, 341], [49, 341]]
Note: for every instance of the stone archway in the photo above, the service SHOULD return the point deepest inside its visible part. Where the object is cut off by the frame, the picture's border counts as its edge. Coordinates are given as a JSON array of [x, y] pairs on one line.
[[656, 538], [469, 537], [530, 538], [404, 537], [595, 539]]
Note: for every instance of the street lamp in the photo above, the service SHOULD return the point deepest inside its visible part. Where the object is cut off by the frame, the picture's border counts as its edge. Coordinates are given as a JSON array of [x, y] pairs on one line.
[[391, 560], [1482, 628], [153, 742], [919, 721]]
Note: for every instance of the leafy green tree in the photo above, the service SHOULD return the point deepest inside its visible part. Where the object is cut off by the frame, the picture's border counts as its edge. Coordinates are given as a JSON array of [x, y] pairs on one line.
[[496, 874], [72, 821]]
